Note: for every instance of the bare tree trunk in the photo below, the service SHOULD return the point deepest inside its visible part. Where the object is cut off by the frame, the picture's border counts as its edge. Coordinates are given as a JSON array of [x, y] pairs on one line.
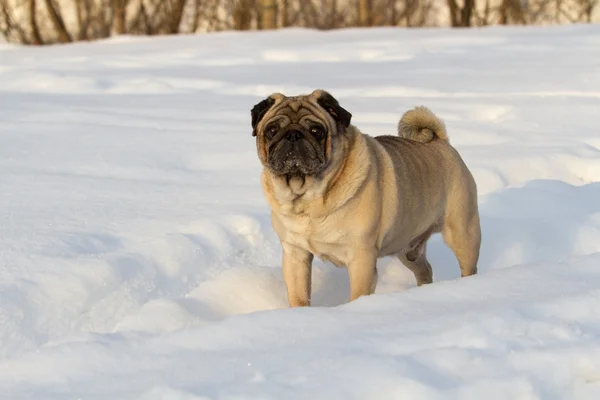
[[285, 16], [388, 13], [393, 13], [213, 16], [196, 20], [135, 23], [511, 11], [453, 7], [311, 14], [145, 20], [119, 15], [36, 38], [242, 15], [517, 12], [294, 16], [485, 20], [176, 15], [588, 9], [364, 12], [425, 9], [58, 22], [83, 22], [99, 18], [332, 20], [467, 12], [269, 14], [159, 20], [410, 7], [10, 25], [458, 16]]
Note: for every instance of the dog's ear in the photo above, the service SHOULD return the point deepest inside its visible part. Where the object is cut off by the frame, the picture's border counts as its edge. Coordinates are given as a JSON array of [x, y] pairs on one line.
[[259, 110], [329, 103]]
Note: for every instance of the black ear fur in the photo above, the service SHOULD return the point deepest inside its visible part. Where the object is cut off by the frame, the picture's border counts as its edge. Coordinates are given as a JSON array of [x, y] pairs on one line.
[[258, 112], [329, 103]]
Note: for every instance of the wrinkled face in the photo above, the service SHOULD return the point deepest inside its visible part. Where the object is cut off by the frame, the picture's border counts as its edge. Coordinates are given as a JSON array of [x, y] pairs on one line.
[[295, 135], [296, 140]]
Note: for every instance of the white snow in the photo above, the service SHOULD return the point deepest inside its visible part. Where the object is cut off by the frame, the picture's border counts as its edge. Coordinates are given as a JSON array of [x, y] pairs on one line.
[[137, 259]]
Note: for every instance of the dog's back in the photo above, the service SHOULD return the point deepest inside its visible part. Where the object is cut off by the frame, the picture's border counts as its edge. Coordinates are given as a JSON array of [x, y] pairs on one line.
[[423, 146], [436, 191]]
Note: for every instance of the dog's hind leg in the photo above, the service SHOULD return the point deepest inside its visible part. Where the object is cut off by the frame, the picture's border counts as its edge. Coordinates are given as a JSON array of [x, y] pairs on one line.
[[416, 261], [462, 233]]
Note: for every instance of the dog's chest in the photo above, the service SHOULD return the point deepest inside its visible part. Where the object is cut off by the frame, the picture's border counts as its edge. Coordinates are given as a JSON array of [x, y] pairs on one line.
[[317, 237]]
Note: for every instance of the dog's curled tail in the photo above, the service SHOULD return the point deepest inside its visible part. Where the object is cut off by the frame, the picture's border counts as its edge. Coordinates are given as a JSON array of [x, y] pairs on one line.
[[421, 125]]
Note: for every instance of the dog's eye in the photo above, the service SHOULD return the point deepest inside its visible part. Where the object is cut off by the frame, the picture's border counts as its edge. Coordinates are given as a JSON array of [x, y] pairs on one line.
[[317, 132], [271, 131]]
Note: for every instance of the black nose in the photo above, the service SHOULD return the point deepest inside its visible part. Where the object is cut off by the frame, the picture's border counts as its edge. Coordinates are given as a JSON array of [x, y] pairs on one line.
[[293, 135]]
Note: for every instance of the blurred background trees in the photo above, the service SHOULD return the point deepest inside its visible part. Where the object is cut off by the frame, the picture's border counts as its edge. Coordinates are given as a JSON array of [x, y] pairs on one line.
[[39, 22]]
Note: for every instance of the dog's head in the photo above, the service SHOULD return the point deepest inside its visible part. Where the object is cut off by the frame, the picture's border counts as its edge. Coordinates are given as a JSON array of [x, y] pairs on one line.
[[297, 136]]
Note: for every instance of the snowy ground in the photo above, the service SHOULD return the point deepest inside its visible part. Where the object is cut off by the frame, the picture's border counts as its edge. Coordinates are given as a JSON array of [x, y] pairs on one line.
[[137, 260]]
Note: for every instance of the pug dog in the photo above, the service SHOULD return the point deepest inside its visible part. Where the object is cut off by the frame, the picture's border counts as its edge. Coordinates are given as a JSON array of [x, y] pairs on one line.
[[350, 198]]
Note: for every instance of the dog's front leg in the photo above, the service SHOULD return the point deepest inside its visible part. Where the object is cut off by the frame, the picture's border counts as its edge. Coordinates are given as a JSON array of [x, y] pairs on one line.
[[297, 267], [363, 273]]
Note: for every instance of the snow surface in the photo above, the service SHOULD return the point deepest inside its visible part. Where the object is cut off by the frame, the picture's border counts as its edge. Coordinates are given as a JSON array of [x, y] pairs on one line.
[[137, 260]]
